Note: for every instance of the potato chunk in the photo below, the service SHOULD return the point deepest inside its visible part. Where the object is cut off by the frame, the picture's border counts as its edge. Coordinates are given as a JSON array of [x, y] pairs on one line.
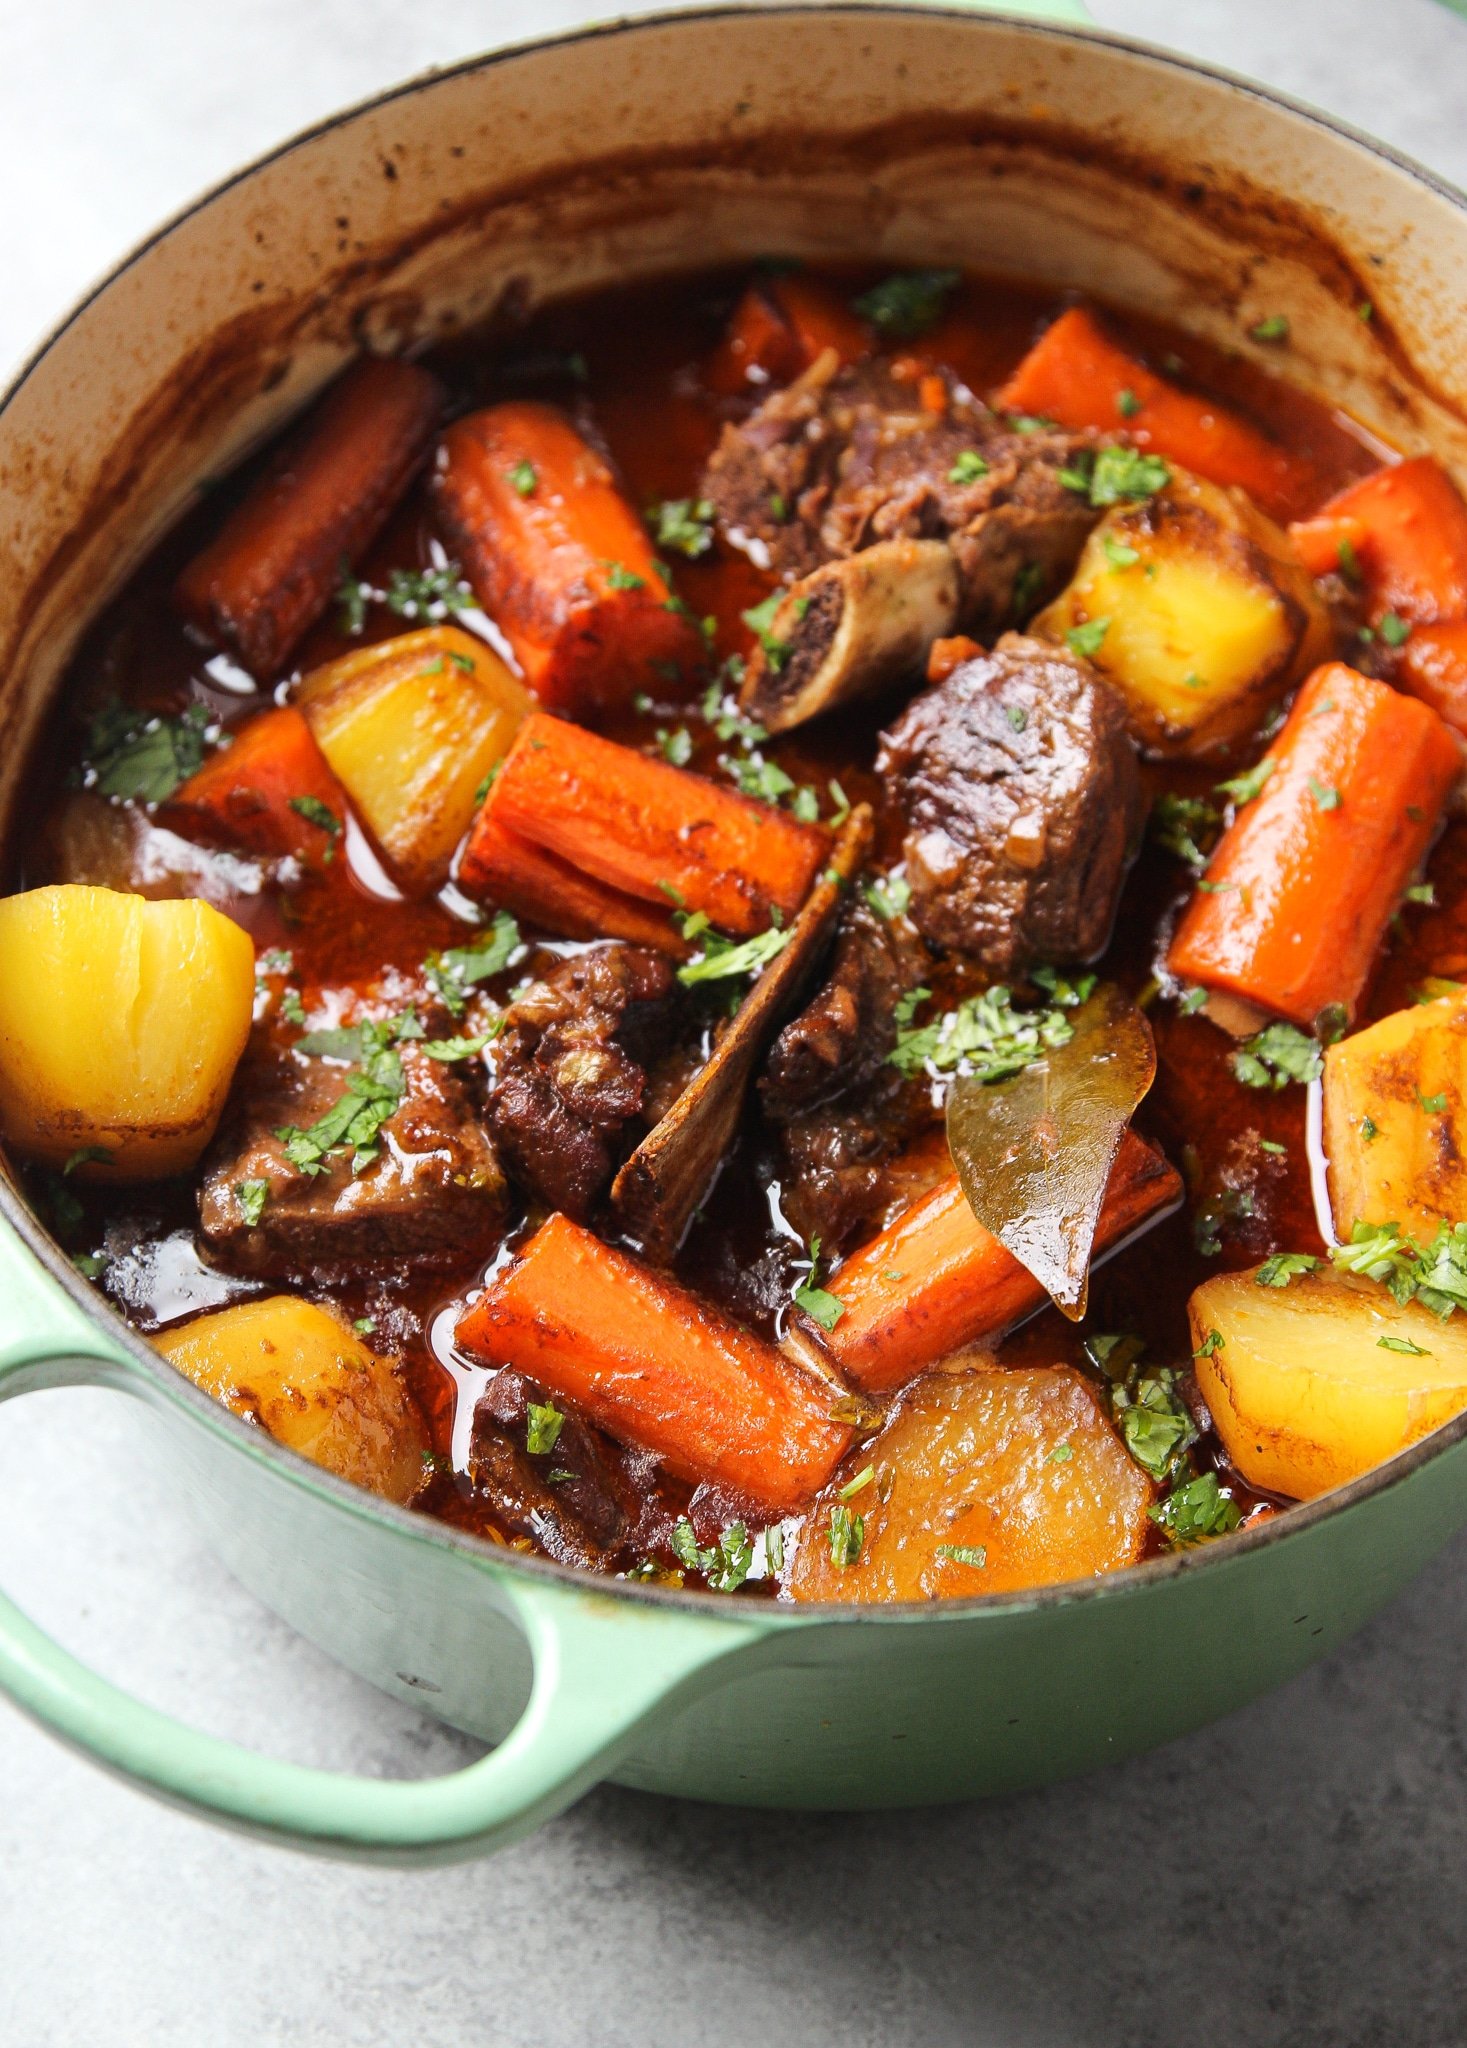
[[1206, 613], [986, 1482], [1395, 1120], [304, 1375], [1315, 1382], [121, 1023], [411, 728]]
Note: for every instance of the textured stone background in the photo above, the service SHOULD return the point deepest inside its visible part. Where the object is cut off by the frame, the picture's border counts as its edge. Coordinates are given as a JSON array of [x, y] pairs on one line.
[[1297, 1876]]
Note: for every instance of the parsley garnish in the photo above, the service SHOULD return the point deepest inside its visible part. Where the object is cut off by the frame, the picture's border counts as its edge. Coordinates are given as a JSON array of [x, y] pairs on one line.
[[974, 1554], [847, 1533], [1181, 823], [454, 973], [523, 478], [719, 958], [318, 814], [1113, 475], [968, 469], [251, 1196], [138, 757], [620, 577], [1402, 1344], [725, 1565], [907, 304], [432, 594], [448, 1050], [759, 619], [676, 745], [1284, 1267], [1435, 1274], [1127, 404], [1274, 328], [1242, 789], [372, 1095], [1394, 630], [822, 1308], [685, 524], [985, 1035], [1276, 1055], [543, 1428], [1327, 798], [888, 896], [1119, 553], [1196, 1511], [1088, 639]]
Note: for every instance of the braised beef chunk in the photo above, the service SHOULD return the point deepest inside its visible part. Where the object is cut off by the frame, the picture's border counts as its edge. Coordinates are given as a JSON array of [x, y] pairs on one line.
[[837, 1159], [841, 1039], [424, 1187], [571, 1495], [571, 1090], [1022, 799], [845, 458]]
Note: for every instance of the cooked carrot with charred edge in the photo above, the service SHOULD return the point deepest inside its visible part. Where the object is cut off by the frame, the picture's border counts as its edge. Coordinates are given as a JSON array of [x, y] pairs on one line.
[[1295, 901], [512, 873], [651, 831], [1077, 375], [936, 1279], [271, 792], [276, 563], [657, 1367], [1434, 668], [1407, 525], [778, 328], [558, 557]]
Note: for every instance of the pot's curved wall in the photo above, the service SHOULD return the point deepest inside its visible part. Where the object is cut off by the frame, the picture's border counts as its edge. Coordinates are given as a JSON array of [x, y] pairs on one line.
[[889, 132]]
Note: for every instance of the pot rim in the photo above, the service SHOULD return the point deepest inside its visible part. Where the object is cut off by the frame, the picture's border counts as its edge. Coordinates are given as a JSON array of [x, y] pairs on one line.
[[174, 1387]]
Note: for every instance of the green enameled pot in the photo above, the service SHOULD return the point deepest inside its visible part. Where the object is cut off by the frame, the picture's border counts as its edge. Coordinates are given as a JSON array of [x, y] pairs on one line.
[[898, 133]]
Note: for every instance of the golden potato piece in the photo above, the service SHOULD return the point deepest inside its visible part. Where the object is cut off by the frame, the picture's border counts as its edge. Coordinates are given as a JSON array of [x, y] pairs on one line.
[[985, 1482], [1208, 613], [1395, 1120], [1315, 1382], [411, 728], [303, 1374], [121, 1023]]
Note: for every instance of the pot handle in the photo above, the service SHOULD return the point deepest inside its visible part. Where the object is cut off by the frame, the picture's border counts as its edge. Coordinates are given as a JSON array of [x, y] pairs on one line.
[[602, 1668]]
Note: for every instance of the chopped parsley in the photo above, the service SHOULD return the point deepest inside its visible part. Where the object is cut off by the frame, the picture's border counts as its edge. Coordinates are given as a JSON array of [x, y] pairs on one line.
[[859, 1484], [847, 1534], [1186, 826], [373, 1093], [620, 577], [1274, 328], [1275, 1056], [1027, 586], [969, 468], [450, 1050], [1394, 630], [676, 745], [1242, 789], [1191, 1001], [543, 1426], [985, 1035], [1066, 991], [1324, 794], [1017, 717], [1433, 1274], [139, 757], [974, 1554], [725, 1564], [1404, 1345], [1211, 1344], [1196, 1511], [1032, 423], [1114, 475], [522, 477], [251, 1197], [1119, 553], [432, 594], [759, 619], [888, 896], [1087, 640], [683, 524], [820, 1307], [1284, 1267], [908, 303], [720, 958], [318, 814], [1127, 404], [453, 974]]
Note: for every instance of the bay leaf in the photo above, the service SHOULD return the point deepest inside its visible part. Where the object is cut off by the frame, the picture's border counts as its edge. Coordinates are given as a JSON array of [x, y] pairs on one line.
[[1034, 1153]]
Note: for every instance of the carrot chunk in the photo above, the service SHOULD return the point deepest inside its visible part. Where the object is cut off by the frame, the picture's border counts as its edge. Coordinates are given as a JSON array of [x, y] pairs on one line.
[[1077, 375], [935, 1279], [943, 656], [656, 1367], [1295, 901], [271, 792], [275, 564], [1434, 668], [778, 328], [1407, 526], [647, 830], [558, 558], [503, 868]]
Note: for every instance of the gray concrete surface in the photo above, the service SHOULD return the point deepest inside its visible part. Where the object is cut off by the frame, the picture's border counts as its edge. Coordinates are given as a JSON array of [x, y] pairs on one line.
[[1296, 1876]]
